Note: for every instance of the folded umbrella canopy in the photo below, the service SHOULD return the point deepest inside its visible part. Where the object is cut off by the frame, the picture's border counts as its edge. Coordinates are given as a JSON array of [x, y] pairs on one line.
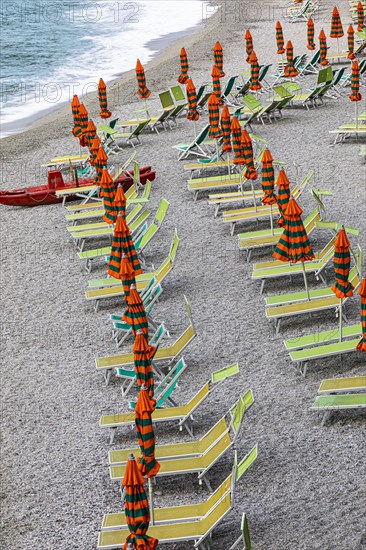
[[214, 117], [119, 203], [83, 121], [122, 243], [136, 508], [91, 132], [192, 113], [236, 138], [216, 86], [102, 93], [143, 92], [142, 358], [183, 77], [293, 245], [100, 163], [254, 72], [247, 148], [311, 32], [323, 49], [144, 408], [336, 30], [268, 182], [360, 17], [135, 314], [107, 193], [342, 264], [283, 195], [75, 104], [93, 150], [126, 274], [362, 292], [290, 70], [226, 129], [219, 58], [248, 44], [355, 95], [279, 39], [351, 43]]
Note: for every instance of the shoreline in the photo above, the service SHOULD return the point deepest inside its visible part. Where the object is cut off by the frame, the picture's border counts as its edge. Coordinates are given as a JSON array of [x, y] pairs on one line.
[[158, 46]]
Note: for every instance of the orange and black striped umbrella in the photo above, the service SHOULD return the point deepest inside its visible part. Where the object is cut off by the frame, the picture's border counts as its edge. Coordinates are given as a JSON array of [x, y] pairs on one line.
[[135, 314], [336, 30], [145, 407], [96, 143], [219, 58], [83, 122], [126, 275], [283, 195], [279, 39], [214, 117], [362, 292], [355, 82], [143, 91], [290, 70], [311, 32], [342, 263], [360, 17], [75, 104], [122, 243], [226, 129], [100, 163], [254, 72], [119, 203], [236, 138], [183, 77], [293, 245], [248, 44], [136, 508], [351, 42], [323, 48], [268, 178], [90, 133], [192, 113], [102, 93], [247, 152], [107, 193], [216, 85], [142, 357]]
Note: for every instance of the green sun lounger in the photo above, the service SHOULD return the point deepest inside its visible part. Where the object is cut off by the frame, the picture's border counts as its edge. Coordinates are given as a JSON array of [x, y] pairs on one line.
[[196, 147], [345, 133], [336, 403], [244, 537], [349, 384], [323, 337], [129, 138], [182, 414]]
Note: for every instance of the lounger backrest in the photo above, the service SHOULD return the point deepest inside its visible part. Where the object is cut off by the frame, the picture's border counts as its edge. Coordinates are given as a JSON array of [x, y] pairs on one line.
[[146, 292], [174, 246], [200, 91], [210, 438], [137, 131], [157, 336], [226, 372], [306, 179], [201, 136], [339, 76], [238, 410], [166, 100], [220, 447], [161, 212], [217, 495], [174, 376], [178, 93], [252, 102], [197, 399], [229, 85], [263, 72], [182, 342], [215, 516], [245, 532], [246, 462], [322, 75]]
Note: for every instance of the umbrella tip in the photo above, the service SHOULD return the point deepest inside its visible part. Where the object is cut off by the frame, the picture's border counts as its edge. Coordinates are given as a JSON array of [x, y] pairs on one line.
[[143, 387], [131, 456]]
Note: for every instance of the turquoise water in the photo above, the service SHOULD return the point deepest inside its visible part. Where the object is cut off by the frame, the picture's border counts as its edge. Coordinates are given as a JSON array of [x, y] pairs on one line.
[[51, 50]]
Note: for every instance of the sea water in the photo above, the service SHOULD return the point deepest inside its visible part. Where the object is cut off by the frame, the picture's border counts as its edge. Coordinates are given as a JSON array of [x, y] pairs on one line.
[[55, 49]]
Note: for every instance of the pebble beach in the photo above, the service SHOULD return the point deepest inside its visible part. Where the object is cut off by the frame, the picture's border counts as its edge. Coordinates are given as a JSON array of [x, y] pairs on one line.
[[306, 490]]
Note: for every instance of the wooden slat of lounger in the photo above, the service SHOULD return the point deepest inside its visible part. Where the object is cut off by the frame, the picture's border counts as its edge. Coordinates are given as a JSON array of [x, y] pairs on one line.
[[342, 384], [326, 336], [346, 401], [328, 350]]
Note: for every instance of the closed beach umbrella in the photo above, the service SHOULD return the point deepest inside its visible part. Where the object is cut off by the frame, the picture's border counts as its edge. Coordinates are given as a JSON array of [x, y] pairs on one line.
[[216, 86], [145, 406], [247, 148], [136, 509], [362, 292], [142, 358], [336, 30], [83, 120], [283, 195], [102, 93], [214, 117], [268, 182], [119, 203], [183, 77], [248, 44], [126, 275], [323, 48], [293, 245], [226, 129], [360, 17], [290, 70], [107, 192], [219, 58], [254, 72], [236, 138], [100, 163], [96, 143], [143, 92], [122, 243], [135, 314], [342, 263], [192, 113], [351, 42], [311, 32], [279, 39], [91, 132], [355, 95], [75, 104]]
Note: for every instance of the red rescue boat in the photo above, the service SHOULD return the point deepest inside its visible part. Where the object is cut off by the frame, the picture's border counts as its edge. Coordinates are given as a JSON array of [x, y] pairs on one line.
[[46, 194]]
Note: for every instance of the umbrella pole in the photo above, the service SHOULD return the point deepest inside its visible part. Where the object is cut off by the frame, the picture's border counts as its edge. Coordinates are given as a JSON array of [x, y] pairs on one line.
[[217, 150], [228, 163], [195, 128], [305, 281], [253, 193], [151, 502], [271, 217], [356, 115], [340, 320]]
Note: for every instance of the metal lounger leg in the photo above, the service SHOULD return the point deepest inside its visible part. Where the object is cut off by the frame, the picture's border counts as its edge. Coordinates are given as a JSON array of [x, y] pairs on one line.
[[112, 434], [107, 376]]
